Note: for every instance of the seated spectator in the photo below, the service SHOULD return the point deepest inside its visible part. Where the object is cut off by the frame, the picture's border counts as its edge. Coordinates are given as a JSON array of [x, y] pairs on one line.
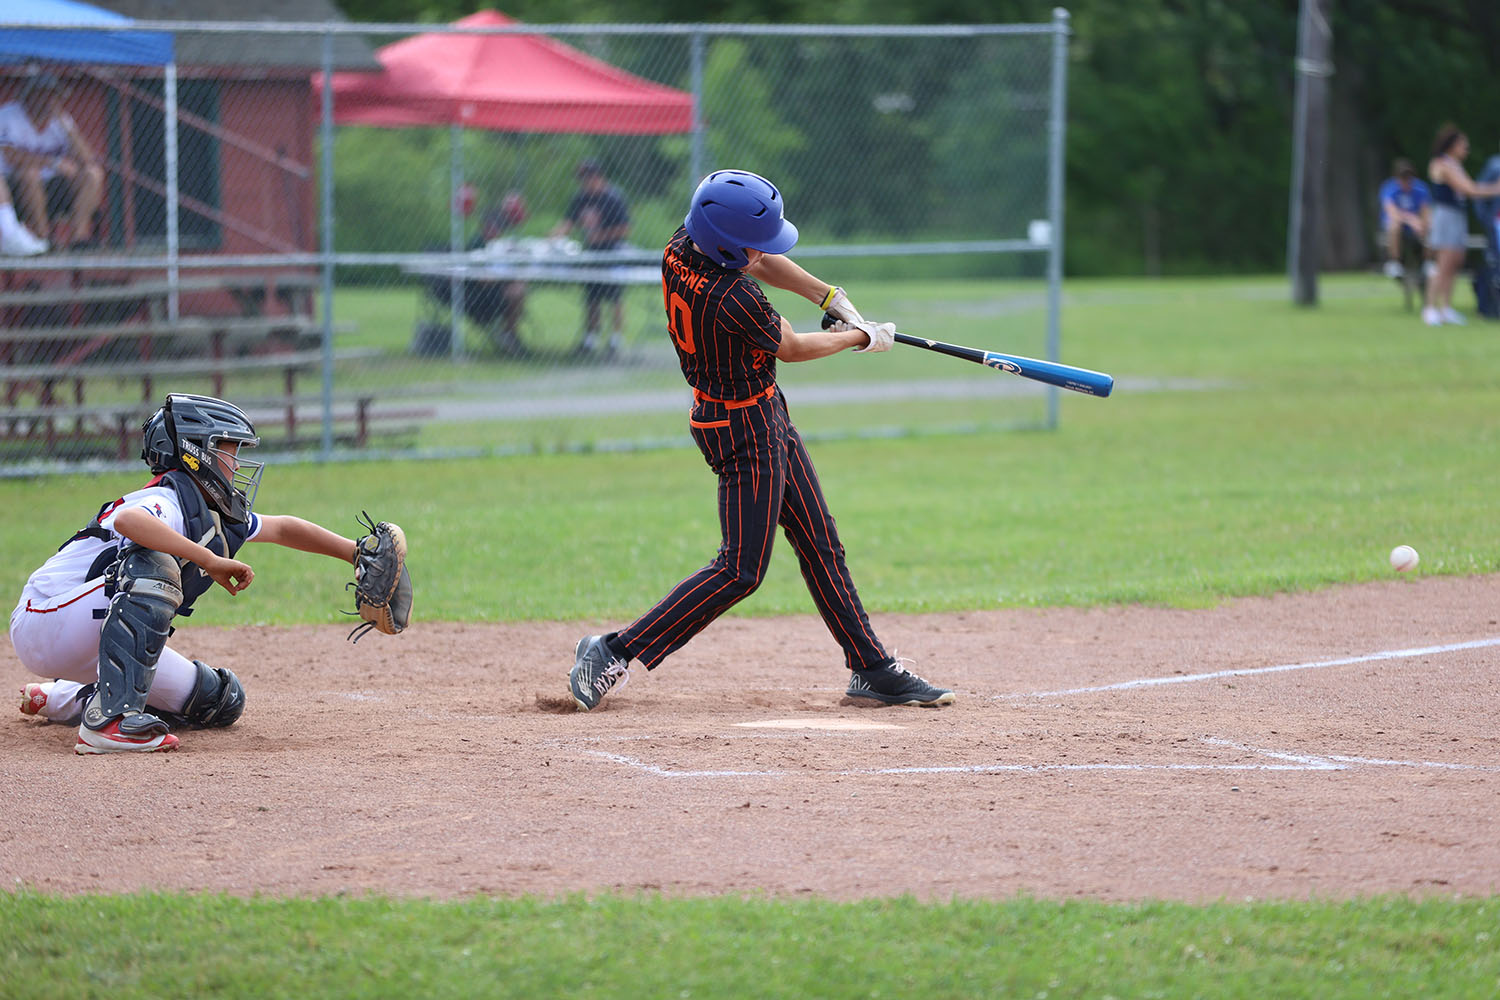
[[15, 239], [1405, 205], [52, 168], [496, 306]]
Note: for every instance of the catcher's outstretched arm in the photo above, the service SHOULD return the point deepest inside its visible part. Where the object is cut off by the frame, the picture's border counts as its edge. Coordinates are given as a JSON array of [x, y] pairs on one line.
[[305, 536]]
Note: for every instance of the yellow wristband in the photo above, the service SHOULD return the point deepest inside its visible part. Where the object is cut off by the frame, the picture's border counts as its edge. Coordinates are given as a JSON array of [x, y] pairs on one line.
[[828, 299]]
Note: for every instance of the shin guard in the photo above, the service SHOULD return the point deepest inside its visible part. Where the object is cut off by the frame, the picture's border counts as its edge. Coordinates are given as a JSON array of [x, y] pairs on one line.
[[218, 700], [147, 593]]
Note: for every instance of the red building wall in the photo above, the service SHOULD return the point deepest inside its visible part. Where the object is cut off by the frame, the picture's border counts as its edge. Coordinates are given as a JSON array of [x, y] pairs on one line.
[[268, 184]]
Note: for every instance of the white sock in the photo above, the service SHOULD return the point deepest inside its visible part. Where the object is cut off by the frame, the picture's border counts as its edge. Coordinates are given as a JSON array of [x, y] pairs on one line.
[[9, 222], [63, 703]]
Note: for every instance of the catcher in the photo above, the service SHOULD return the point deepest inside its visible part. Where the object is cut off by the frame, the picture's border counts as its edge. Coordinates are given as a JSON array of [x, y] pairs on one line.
[[96, 616]]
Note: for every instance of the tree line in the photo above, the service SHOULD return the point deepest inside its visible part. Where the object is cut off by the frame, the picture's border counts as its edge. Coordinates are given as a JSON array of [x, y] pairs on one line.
[[1179, 111]]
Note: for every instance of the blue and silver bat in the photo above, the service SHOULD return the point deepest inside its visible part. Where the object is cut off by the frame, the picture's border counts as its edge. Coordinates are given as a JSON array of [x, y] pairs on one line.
[[1090, 383], [1082, 380], [1079, 380]]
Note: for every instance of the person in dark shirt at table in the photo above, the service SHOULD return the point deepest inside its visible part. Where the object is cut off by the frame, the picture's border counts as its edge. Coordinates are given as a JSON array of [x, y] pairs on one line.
[[599, 214]]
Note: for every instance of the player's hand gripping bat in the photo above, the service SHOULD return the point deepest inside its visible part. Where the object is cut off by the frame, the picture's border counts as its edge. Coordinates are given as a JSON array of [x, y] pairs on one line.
[[1082, 380]]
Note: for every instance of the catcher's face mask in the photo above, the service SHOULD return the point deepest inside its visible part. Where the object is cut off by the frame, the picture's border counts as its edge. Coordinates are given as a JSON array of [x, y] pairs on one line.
[[210, 436], [243, 473], [230, 482]]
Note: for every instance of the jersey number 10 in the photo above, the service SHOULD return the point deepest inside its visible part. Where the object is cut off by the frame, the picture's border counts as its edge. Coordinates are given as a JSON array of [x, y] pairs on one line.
[[680, 321]]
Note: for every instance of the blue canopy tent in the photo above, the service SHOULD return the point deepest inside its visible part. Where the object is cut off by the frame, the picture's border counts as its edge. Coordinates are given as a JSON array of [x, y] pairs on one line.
[[83, 34], [118, 46]]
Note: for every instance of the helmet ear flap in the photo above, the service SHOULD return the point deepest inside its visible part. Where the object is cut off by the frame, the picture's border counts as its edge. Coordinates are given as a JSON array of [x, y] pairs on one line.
[[159, 440]]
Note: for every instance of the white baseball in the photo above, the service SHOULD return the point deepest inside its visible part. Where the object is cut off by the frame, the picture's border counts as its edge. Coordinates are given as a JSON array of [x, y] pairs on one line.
[[1403, 558]]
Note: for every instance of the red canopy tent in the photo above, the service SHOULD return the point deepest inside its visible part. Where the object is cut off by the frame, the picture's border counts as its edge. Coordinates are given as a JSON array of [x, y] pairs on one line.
[[501, 83], [505, 83]]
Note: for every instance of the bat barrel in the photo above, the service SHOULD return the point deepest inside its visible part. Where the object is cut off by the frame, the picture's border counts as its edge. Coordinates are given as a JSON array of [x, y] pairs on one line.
[[1082, 380]]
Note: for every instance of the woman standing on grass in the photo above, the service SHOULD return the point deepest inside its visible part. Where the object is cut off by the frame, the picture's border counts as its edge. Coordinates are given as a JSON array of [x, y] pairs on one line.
[[1448, 237]]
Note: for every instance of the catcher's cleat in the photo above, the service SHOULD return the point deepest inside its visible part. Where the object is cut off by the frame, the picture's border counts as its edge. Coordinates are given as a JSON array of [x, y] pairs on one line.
[[893, 684], [33, 698], [152, 738], [595, 671]]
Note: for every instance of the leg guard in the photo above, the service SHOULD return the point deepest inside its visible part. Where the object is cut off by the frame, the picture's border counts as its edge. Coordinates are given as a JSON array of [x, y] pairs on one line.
[[218, 700], [148, 591]]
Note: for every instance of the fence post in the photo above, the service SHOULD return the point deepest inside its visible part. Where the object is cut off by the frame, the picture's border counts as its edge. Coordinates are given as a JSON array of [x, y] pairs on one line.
[[174, 242], [695, 50], [1056, 132], [326, 446], [455, 244]]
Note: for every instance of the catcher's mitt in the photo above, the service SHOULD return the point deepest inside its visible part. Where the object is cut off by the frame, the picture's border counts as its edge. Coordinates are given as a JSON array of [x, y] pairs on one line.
[[382, 587]]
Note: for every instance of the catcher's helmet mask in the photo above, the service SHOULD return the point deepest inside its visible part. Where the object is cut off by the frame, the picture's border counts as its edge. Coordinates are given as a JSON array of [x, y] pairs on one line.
[[187, 433]]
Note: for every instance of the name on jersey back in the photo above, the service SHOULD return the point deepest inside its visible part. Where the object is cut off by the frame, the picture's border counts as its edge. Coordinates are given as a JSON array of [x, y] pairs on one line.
[[692, 279]]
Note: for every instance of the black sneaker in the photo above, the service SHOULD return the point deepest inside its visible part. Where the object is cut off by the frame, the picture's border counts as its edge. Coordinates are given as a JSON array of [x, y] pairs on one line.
[[893, 684], [595, 671]]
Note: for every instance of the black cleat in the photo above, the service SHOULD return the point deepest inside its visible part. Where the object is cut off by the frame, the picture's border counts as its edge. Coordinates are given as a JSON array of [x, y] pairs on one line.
[[595, 671], [893, 684]]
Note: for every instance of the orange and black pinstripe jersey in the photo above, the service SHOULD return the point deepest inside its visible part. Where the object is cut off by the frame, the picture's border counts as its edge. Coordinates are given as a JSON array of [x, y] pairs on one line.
[[725, 332]]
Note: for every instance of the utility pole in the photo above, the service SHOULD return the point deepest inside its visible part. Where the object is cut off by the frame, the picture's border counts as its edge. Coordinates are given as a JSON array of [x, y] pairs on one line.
[[1314, 66]]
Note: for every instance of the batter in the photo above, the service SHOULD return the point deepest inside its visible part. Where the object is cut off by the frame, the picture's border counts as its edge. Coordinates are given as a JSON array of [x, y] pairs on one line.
[[728, 339]]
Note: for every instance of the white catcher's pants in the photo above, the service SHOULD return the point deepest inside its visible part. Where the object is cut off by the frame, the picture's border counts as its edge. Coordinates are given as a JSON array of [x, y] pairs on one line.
[[58, 637]]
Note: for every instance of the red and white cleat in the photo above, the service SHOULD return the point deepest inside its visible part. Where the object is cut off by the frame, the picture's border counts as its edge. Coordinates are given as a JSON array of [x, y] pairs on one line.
[[111, 740], [33, 699]]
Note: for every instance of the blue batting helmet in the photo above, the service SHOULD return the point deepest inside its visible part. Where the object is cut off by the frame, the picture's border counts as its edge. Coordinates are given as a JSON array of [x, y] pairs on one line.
[[733, 210]]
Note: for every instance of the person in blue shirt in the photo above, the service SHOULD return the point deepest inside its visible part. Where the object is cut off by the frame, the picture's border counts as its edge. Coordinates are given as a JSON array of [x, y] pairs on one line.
[[1487, 210], [1405, 204]]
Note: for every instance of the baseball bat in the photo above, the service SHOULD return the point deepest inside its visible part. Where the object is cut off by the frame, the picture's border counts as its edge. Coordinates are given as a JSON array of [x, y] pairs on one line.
[[1090, 383], [1084, 380]]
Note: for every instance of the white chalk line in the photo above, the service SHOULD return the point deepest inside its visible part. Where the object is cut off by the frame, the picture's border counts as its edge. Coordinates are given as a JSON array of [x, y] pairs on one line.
[[1144, 682], [1289, 762], [667, 772]]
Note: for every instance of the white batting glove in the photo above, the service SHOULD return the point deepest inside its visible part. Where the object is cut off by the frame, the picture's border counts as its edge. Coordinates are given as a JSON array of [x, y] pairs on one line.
[[882, 335], [837, 302]]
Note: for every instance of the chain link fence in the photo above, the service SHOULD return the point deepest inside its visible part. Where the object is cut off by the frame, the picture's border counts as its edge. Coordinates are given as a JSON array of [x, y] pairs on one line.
[[417, 240]]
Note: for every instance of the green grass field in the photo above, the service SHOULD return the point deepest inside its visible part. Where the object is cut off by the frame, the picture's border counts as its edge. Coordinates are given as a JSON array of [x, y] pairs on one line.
[[1327, 437], [1319, 440], [144, 946]]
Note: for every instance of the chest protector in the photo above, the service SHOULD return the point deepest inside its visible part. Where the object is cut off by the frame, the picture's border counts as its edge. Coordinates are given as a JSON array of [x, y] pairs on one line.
[[201, 523]]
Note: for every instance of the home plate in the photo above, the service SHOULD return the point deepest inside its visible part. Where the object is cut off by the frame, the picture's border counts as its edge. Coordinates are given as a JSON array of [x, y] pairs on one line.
[[834, 724]]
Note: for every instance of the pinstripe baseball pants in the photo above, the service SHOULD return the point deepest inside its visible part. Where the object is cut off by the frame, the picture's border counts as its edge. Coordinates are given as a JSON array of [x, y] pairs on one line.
[[765, 479]]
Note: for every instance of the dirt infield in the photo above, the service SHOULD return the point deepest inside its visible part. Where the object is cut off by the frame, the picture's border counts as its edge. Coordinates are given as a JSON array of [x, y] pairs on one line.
[[1330, 744]]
